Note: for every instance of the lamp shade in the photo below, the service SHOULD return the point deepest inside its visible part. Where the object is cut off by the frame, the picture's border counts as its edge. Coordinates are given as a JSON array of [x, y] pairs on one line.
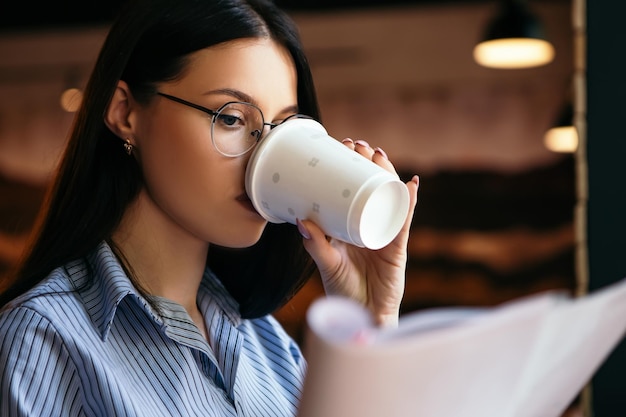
[[514, 39]]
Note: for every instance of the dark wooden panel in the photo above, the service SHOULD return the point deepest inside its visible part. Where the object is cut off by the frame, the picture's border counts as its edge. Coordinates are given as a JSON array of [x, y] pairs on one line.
[[484, 200]]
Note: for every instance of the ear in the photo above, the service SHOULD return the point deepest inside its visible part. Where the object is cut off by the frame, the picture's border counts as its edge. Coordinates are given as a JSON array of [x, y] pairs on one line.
[[117, 115]]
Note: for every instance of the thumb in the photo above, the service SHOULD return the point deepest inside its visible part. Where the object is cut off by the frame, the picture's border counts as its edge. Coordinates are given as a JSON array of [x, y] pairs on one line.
[[317, 245]]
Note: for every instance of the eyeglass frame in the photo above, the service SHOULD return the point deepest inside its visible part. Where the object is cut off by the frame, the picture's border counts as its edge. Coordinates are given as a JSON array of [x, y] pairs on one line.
[[214, 113]]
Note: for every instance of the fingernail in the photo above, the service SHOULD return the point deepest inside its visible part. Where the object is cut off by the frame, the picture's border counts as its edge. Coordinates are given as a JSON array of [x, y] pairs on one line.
[[362, 143], [303, 230], [347, 140], [380, 151]]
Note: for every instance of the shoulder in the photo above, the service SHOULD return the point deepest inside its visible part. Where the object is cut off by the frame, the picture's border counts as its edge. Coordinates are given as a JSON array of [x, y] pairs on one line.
[[32, 315], [52, 310], [43, 300], [23, 327], [271, 335], [38, 374], [56, 283], [30, 343], [37, 340]]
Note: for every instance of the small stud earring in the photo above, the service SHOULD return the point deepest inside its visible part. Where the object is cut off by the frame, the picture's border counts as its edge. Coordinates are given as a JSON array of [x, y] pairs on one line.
[[128, 146]]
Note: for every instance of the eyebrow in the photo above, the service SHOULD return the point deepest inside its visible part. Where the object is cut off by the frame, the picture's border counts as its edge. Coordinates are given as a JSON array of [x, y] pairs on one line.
[[241, 96]]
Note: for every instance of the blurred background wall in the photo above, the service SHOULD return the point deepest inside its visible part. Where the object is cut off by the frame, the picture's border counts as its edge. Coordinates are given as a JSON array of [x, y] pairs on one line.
[[495, 215]]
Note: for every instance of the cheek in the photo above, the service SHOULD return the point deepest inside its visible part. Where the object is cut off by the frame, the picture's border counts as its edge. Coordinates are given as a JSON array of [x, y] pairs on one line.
[[183, 174], [176, 159]]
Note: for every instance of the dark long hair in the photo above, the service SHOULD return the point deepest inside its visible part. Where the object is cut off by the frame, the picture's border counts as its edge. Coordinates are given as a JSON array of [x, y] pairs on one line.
[[148, 43]]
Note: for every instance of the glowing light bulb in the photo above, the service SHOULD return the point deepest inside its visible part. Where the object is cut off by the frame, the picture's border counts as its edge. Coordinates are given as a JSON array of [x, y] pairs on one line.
[[514, 53], [71, 99], [561, 139]]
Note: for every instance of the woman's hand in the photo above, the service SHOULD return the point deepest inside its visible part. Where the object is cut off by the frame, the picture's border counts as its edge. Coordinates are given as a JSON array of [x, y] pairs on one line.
[[372, 277]]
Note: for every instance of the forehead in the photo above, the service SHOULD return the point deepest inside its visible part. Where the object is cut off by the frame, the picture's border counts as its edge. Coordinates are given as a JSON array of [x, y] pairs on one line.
[[258, 67]]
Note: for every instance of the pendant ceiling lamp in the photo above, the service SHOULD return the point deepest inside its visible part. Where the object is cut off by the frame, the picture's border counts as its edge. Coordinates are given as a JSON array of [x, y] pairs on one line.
[[563, 136], [514, 39]]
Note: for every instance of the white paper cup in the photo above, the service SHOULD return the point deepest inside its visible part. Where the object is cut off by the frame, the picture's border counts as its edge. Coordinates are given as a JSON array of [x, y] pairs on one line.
[[298, 171]]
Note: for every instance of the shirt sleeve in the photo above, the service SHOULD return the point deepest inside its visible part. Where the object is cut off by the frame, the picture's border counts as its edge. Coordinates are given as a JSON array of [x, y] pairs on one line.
[[37, 377]]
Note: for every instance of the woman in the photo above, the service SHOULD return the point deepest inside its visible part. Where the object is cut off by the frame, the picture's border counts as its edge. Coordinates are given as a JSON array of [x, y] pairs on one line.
[[149, 287]]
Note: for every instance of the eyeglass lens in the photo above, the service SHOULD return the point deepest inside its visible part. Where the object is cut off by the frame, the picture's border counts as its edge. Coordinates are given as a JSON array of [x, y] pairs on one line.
[[236, 128]]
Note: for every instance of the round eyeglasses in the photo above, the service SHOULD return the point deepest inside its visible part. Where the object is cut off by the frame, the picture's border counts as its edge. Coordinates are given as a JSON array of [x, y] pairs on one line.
[[236, 126]]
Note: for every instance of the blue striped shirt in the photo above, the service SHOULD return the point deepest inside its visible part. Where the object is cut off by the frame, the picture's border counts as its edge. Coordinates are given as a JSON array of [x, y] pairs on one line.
[[102, 350]]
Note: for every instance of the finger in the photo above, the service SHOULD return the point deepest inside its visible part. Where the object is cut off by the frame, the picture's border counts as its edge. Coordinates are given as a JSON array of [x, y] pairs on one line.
[[413, 187], [377, 155], [363, 148], [380, 158], [348, 142]]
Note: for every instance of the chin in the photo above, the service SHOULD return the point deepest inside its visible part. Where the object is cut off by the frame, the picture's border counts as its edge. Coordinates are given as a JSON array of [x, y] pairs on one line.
[[243, 238]]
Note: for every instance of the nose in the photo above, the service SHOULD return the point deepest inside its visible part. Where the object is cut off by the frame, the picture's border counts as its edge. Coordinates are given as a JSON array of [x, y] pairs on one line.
[[265, 130]]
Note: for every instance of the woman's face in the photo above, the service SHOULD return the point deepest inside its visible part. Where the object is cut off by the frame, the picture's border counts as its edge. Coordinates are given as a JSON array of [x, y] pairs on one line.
[[200, 191]]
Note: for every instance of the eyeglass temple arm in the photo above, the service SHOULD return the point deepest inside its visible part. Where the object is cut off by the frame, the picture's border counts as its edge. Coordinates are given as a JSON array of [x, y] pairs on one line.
[[187, 103]]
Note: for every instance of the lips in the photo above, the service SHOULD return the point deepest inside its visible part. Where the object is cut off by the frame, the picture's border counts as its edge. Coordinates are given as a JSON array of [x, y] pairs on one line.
[[246, 202], [243, 197]]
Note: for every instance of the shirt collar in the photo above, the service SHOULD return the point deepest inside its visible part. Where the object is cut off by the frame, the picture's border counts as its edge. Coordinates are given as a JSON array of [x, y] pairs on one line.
[[102, 285], [110, 285]]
